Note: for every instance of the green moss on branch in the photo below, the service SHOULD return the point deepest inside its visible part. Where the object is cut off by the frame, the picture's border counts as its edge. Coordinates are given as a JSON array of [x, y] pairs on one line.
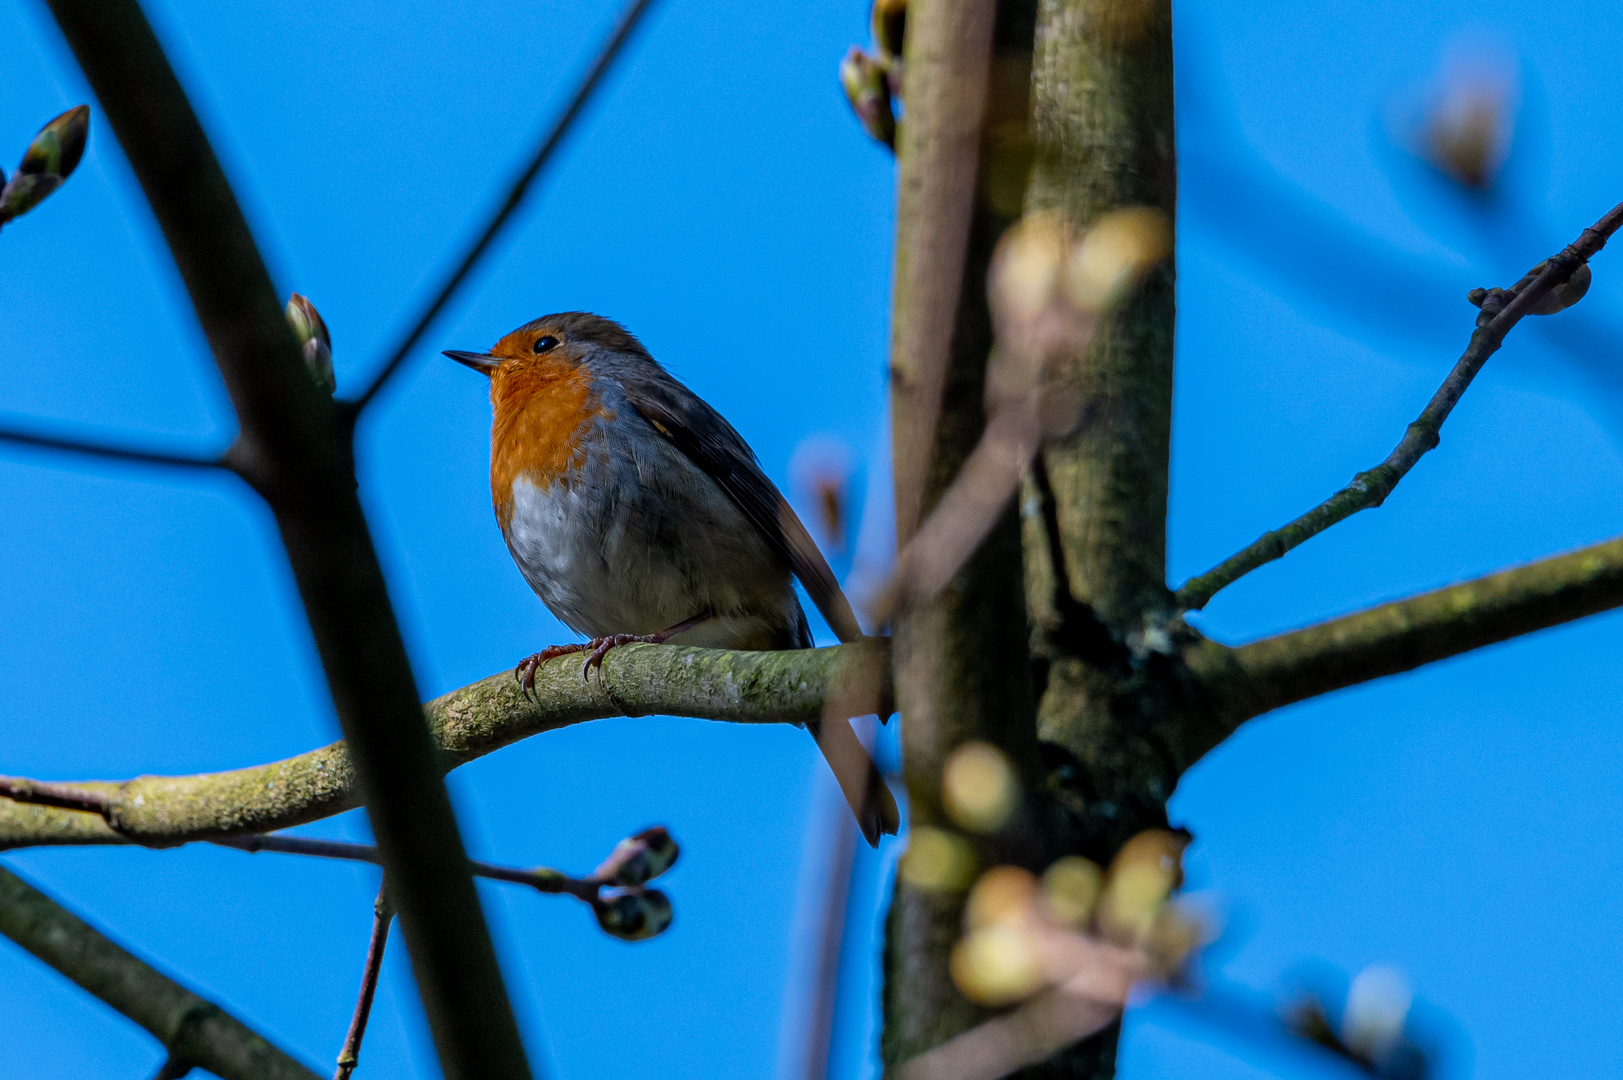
[[635, 680]]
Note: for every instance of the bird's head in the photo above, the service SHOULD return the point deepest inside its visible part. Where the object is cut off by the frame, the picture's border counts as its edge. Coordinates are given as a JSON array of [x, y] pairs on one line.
[[550, 348]]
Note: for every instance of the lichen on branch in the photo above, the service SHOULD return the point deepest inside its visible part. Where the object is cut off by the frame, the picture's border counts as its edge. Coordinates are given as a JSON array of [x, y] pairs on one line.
[[635, 680]]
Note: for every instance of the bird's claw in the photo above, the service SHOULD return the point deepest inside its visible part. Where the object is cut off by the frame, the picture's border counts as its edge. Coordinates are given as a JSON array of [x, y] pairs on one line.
[[600, 648], [525, 672]]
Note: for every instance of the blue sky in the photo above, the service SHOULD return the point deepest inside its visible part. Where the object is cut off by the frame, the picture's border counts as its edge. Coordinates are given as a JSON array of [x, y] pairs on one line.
[[719, 199]]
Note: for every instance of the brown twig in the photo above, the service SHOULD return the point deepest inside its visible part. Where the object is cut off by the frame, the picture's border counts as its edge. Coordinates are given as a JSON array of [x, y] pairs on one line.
[[541, 879], [110, 451], [195, 1032], [1370, 488], [382, 916], [637, 680], [1391, 638], [515, 195], [295, 448]]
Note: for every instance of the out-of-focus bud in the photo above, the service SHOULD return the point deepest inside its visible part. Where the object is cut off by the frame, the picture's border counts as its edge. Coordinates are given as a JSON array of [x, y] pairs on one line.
[[1462, 120], [1071, 889], [312, 335], [937, 860], [820, 479], [640, 858], [49, 160], [979, 790], [867, 87], [1377, 1008], [1027, 269], [998, 965], [1172, 937], [889, 27], [1115, 253], [1564, 295], [1143, 874], [636, 915], [1004, 895]]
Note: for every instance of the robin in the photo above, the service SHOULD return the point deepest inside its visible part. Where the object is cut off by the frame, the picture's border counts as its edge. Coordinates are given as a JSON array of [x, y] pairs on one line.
[[637, 513]]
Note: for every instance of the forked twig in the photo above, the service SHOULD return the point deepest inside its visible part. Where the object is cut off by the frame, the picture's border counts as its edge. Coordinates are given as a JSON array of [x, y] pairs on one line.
[[20, 437], [1501, 310]]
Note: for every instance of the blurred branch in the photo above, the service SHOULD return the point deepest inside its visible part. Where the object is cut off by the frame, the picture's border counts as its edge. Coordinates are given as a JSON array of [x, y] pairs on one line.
[[1400, 636], [515, 196], [295, 449], [20, 437], [195, 1032], [1500, 311], [350, 1055], [635, 680]]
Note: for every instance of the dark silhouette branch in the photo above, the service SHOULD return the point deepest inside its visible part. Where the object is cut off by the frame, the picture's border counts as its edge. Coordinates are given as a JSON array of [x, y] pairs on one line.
[[111, 451], [515, 195], [196, 1032], [295, 450], [635, 680], [350, 1055], [1500, 312], [1402, 635]]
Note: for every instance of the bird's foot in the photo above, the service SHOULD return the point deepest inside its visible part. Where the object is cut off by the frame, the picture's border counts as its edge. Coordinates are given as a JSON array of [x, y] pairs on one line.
[[597, 647]]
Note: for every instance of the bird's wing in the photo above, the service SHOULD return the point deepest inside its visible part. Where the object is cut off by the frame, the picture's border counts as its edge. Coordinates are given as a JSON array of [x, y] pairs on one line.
[[710, 442]]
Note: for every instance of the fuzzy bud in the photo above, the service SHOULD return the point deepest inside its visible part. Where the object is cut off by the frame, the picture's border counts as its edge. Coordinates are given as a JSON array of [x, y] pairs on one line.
[[640, 858], [635, 915], [314, 339], [889, 26], [49, 160], [867, 87]]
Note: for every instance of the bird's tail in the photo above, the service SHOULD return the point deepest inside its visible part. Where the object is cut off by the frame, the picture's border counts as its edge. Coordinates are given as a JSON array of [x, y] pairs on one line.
[[864, 788]]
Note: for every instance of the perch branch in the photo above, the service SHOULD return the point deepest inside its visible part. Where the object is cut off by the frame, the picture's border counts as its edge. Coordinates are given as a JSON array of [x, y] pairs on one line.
[[1402, 635], [295, 449], [1369, 489], [195, 1032], [110, 451], [515, 196], [637, 680]]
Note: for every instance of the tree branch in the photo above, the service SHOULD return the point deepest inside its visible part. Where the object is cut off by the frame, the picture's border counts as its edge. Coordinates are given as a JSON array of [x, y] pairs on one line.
[[350, 1055], [1369, 489], [515, 196], [635, 680], [296, 450], [1400, 636], [20, 437], [196, 1032]]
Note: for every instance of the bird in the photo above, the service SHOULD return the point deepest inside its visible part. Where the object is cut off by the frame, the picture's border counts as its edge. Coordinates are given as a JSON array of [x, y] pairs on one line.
[[637, 513]]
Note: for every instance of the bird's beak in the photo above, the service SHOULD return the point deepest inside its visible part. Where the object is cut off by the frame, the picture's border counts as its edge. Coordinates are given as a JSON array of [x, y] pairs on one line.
[[483, 363]]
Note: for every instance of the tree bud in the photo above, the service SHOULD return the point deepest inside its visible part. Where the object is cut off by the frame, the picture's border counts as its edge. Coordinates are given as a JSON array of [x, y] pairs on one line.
[[640, 858], [1143, 874], [1071, 889], [867, 87], [937, 860], [635, 915], [978, 787], [314, 339], [889, 25], [49, 160]]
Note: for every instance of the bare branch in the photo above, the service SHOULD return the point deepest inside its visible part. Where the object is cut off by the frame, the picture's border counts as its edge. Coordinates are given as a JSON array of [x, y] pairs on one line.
[[296, 450], [1400, 636], [196, 1032], [350, 1055], [21, 437], [515, 196], [635, 680], [1369, 489]]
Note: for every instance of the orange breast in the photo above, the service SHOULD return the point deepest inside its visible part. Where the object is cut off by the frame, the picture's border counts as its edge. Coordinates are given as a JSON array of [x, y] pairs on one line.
[[542, 415]]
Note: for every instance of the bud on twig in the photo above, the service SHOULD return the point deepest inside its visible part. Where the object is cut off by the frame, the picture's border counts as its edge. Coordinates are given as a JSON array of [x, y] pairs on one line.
[[313, 337], [49, 160], [889, 27], [635, 915], [639, 859], [867, 87]]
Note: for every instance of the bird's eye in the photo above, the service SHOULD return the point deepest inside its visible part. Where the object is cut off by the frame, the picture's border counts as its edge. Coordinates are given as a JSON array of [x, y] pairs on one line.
[[546, 343]]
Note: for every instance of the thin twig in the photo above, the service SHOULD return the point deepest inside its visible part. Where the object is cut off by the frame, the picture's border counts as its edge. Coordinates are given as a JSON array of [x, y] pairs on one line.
[[515, 195], [191, 1029], [20, 437], [1369, 489], [45, 793], [382, 916], [541, 879]]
